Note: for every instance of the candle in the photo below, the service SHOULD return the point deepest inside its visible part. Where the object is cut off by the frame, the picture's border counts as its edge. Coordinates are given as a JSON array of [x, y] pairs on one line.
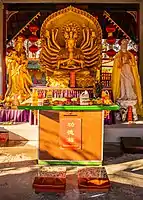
[[130, 114], [72, 79]]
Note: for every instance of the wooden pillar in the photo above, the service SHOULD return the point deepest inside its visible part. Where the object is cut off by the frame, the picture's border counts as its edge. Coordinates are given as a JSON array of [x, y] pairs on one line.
[[2, 50], [141, 45]]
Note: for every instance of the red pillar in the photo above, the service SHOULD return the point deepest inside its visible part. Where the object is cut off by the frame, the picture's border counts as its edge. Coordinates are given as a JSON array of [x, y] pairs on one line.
[[4, 52]]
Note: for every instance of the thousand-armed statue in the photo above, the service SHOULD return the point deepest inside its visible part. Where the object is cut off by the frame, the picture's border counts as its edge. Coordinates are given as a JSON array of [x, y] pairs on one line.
[[71, 41]]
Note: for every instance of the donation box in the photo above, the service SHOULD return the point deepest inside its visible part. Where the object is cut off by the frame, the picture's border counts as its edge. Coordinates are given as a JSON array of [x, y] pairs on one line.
[[72, 136]]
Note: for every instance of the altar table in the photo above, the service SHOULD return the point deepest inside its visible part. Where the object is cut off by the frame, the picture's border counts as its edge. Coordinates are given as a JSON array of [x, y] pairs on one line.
[[71, 135]]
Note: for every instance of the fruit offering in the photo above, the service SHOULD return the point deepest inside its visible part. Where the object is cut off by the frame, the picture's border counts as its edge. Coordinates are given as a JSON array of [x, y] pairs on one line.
[[106, 100], [97, 101]]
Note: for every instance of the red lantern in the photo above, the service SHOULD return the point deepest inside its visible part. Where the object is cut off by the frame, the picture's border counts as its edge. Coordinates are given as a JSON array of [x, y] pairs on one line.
[[33, 48], [33, 28], [111, 40], [110, 28], [111, 53], [33, 38], [133, 52]]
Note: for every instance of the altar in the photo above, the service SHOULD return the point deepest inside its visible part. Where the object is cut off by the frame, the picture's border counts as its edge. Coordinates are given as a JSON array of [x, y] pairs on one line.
[[71, 134], [71, 57], [72, 106]]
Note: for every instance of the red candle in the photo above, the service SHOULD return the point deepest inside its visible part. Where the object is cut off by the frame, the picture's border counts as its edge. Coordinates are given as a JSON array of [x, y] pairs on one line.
[[130, 114], [72, 79]]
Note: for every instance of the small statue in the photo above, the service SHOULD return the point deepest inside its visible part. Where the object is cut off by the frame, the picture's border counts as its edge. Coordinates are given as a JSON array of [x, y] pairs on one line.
[[125, 77]]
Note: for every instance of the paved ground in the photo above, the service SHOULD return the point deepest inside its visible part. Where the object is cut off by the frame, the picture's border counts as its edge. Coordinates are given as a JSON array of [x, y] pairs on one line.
[[18, 169]]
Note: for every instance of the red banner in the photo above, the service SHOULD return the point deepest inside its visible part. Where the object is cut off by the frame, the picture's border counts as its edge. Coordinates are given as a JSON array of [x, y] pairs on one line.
[[70, 133]]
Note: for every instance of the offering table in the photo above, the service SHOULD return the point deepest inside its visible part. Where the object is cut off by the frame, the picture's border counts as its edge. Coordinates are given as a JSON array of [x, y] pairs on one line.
[[71, 135]]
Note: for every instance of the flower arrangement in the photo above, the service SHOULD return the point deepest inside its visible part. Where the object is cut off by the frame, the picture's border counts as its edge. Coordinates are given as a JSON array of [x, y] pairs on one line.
[[98, 89]]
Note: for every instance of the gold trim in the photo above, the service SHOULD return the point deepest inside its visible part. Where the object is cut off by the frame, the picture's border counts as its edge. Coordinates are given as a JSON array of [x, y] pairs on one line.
[[75, 10]]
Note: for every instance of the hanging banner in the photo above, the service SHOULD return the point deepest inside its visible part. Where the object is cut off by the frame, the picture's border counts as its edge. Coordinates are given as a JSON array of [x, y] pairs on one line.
[[70, 133]]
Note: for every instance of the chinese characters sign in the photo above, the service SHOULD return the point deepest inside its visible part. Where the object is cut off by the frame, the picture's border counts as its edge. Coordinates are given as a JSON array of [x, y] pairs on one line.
[[70, 133]]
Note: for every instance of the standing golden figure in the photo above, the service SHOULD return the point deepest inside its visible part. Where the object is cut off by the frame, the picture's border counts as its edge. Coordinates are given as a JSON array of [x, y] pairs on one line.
[[19, 80], [12, 63], [125, 77], [24, 76], [71, 40]]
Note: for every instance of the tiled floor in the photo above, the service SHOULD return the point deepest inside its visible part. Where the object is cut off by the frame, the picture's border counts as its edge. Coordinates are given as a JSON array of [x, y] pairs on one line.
[[16, 180], [18, 169]]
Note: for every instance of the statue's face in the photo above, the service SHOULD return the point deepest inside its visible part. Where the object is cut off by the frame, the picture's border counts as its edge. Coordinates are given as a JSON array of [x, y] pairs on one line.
[[14, 53], [124, 44]]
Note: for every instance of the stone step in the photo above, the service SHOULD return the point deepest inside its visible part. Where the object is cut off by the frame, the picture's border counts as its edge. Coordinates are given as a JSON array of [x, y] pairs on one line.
[[112, 150]]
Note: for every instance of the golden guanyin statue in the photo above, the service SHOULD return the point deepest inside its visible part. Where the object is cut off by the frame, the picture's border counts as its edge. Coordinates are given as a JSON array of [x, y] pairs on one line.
[[125, 77], [70, 41], [19, 80]]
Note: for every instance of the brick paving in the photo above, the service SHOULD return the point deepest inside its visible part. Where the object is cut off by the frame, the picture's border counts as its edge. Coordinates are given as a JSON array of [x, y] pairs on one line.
[[18, 169]]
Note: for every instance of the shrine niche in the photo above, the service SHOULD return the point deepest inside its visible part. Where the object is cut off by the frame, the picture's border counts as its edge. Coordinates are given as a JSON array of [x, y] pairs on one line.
[[71, 42]]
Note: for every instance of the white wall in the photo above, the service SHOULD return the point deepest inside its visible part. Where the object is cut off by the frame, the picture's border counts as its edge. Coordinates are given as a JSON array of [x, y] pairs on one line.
[[112, 133]]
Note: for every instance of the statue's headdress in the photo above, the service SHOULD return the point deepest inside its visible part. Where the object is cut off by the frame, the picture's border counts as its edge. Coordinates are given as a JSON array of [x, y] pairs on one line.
[[123, 41], [71, 31]]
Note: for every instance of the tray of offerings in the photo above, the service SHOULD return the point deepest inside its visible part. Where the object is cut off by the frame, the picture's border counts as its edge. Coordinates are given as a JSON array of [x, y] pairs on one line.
[[93, 179]]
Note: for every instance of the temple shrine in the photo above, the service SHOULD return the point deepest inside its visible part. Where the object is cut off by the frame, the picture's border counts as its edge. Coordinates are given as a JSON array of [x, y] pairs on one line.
[[66, 61], [75, 71]]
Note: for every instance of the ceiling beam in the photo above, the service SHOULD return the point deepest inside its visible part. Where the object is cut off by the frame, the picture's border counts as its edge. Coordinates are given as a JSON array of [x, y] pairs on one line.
[[72, 1]]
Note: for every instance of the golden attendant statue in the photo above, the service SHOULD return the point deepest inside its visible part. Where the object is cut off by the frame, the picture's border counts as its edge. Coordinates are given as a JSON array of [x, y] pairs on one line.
[[19, 80], [125, 77]]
